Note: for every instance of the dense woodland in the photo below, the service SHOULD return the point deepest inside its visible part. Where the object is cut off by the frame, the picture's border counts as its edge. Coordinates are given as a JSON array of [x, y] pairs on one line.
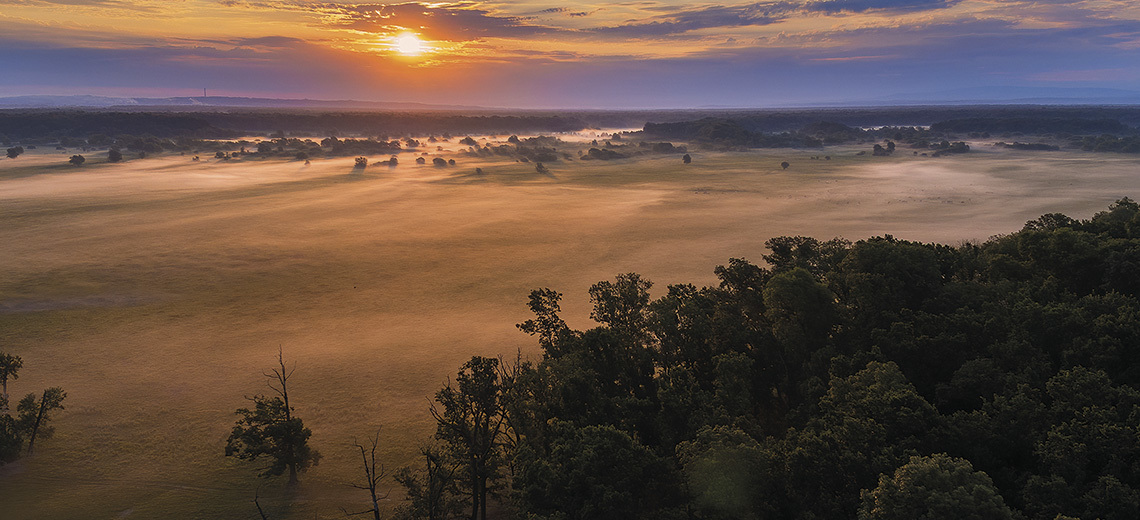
[[877, 379]]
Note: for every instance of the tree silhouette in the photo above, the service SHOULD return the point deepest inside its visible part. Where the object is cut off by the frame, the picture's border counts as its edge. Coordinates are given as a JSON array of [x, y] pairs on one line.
[[9, 369], [34, 416], [934, 487], [270, 430], [471, 424], [374, 472]]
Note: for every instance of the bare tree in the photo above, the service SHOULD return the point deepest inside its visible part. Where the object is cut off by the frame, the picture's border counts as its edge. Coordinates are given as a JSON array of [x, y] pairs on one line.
[[374, 473], [257, 503]]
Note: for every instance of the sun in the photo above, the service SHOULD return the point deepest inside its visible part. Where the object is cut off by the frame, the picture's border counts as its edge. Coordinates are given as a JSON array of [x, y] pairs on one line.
[[409, 44]]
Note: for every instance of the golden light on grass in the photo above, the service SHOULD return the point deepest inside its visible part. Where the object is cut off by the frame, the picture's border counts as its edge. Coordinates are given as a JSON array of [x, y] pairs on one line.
[[408, 44]]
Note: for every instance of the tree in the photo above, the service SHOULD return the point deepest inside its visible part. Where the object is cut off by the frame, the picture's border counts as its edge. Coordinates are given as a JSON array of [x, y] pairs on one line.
[[439, 162], [549, 328], [270, 430], [431, 493], [594, 473], [724, 470], [9, 369], [785, 165], [15, 152], [801, 311], [114, 155], [34, 416], [541, 168], [11, 439], [928, 488], [471, 424], [623, 304], [374, 472], [77, 160], [393, 162], [686, 159], [361, 163]]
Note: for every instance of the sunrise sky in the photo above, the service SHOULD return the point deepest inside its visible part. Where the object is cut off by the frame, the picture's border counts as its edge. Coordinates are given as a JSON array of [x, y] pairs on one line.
[[549, 54]]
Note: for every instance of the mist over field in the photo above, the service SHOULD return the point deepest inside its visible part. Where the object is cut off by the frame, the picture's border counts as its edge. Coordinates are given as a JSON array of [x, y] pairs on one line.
[[157, 291]]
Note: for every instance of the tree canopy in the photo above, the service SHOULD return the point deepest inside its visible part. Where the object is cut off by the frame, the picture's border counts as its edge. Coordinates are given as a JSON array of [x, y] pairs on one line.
[[882, 379]]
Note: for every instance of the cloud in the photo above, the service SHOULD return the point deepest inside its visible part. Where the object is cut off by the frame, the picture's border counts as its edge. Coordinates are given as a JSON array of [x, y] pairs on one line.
[[678, 21], [568, 12], [127, 5], [278, 42], [703, 18], [462, 21], [858, 6]]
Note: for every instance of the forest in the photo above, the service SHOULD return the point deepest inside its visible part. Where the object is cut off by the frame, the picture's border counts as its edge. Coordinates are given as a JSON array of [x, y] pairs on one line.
[[877, 379]]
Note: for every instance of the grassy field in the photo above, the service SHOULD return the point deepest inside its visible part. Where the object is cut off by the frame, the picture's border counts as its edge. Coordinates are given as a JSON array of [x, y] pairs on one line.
[[156, 291]]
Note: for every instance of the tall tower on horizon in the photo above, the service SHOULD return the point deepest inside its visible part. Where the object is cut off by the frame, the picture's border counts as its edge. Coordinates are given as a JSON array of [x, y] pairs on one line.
[[204, 92]]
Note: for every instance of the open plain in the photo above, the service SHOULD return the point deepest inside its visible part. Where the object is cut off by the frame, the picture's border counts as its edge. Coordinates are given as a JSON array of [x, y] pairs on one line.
[[157, 291]]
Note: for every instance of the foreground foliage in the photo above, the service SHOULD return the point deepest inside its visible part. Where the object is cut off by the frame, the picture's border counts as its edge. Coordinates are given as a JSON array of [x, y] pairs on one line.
[[879, 379], [18, 433]]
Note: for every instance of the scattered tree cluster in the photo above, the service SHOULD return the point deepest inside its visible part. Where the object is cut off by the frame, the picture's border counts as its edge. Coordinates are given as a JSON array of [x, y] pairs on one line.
[[1028, 146], [946, 147]]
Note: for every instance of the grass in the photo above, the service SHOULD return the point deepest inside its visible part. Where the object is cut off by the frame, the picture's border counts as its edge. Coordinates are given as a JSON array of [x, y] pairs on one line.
[[155, 292]]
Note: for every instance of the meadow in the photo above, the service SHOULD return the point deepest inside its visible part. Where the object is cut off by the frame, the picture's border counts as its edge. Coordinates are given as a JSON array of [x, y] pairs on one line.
[[157, 291]]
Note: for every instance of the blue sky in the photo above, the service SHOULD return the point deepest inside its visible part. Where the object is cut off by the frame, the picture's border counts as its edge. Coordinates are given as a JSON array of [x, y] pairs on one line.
[[550, 54]]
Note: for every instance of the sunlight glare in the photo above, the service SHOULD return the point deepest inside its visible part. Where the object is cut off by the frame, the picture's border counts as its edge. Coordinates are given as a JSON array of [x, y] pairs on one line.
[[409, 44]]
